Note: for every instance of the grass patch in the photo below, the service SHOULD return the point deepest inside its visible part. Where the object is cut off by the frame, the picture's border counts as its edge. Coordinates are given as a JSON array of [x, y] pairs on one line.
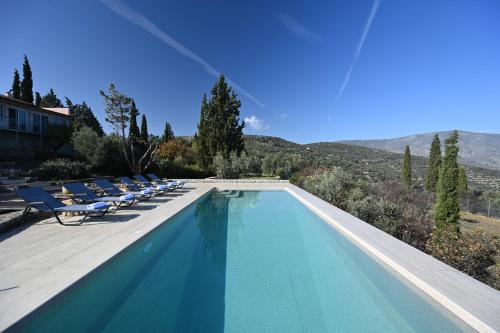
[[470, 221]]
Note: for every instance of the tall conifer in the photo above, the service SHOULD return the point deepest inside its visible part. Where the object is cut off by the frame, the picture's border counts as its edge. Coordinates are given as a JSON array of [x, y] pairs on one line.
[[134, 133], [51, 100], [27, 84], [168, 133], [447, 210], [82, 116], [406, 170], [219, 129], [432, 174], [16, 86], [38, 99], [144, 129]]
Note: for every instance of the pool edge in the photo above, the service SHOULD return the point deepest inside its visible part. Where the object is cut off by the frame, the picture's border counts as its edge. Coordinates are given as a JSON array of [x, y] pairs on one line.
[[438, 296]]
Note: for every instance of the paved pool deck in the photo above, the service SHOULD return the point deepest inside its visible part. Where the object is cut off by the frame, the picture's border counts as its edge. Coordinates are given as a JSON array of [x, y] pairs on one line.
[[39, 261]]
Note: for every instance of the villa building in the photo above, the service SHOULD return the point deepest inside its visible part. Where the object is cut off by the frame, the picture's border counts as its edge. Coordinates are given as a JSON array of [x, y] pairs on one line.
[[24, 126]]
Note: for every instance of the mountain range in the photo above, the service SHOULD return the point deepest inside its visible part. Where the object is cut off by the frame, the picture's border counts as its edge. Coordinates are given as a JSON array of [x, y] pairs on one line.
[[369, 163], [477, 149]]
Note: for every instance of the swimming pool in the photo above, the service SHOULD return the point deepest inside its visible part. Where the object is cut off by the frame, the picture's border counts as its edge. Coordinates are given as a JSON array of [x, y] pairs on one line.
[[242, 261]]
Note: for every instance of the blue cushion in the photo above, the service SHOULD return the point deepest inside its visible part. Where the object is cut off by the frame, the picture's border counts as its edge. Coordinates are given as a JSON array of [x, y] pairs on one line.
[[127, 197], [146, 191], [97, 206]]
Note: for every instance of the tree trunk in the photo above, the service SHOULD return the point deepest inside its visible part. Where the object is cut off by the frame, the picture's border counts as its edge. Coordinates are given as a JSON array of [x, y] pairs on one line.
[[489, 207], [124, 146]]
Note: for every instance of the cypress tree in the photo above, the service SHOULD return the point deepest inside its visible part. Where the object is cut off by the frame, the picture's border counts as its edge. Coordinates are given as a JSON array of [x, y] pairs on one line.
[[38, 99], [406, 170], [51, 101], [432, 174], [16, 86], [134, 133], [144, 129], [82, 116], [27, 84], [219, 129], [447, 211], [168, 133], [462, 181], [202, 137]]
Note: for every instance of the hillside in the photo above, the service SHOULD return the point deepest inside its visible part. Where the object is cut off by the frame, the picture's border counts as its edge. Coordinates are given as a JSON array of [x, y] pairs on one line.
[[478, 149], [373, 164]]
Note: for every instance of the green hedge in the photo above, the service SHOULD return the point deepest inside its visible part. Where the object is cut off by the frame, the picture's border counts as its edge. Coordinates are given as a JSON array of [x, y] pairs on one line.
[[60, 169]]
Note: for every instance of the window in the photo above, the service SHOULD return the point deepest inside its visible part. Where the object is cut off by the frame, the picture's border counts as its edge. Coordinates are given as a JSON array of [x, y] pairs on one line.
[[12, 118], [45, 124], [57, 120], [1, 112], [36, 123], [21, 119]]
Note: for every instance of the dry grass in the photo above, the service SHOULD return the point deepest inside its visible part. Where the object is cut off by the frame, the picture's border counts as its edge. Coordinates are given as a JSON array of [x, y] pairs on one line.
[[471, 221], [491, 227]]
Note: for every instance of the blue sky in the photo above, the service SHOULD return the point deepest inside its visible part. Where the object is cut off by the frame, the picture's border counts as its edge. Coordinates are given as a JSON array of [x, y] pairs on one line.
[[305, 71]]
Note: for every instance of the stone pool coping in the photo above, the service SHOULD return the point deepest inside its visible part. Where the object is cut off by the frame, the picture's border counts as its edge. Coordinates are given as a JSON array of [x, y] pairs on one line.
[[42, 260]]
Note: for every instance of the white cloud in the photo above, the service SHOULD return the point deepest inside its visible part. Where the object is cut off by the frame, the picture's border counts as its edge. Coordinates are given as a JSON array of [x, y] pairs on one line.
[[282, 116], [373, 12], [143, 22], [298, 29], [256, 123]]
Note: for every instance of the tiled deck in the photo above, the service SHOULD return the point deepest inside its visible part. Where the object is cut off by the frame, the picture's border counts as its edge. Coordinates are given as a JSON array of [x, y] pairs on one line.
[[39, 261]]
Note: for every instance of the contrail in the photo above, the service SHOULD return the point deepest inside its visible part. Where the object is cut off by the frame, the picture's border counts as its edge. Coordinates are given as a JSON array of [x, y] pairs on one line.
[[373, 12], [141, 21], [298, 29]]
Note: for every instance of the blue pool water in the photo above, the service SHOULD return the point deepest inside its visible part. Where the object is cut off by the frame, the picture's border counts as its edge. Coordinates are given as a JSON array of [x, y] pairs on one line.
[[250, 261]]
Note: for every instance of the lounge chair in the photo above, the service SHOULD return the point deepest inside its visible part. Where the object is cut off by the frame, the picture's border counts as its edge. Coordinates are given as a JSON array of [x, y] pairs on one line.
[[165, 181], [112, 190], [132, 186], [160, 188], [41, 200], [86, 195]]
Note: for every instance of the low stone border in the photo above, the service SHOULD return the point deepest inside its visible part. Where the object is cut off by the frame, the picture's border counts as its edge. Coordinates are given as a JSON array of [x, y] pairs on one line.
[[235, 181], [10, 220]]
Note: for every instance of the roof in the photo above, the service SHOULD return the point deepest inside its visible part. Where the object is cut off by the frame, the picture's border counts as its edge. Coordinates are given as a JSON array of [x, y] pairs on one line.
[[64, 112]]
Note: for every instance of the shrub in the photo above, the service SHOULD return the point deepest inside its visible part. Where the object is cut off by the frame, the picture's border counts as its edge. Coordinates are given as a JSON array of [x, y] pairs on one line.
[[472, 253], [232, 168], [415, 207], [108, 158], [58, 135], [169, 169], [171, 149], [333, 186], [66, 151], [282, 164], [85, 142], [365, 208], [282, 173], [238, 164], [60, 169], [294, 179], [222, 167], [390, 218]]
